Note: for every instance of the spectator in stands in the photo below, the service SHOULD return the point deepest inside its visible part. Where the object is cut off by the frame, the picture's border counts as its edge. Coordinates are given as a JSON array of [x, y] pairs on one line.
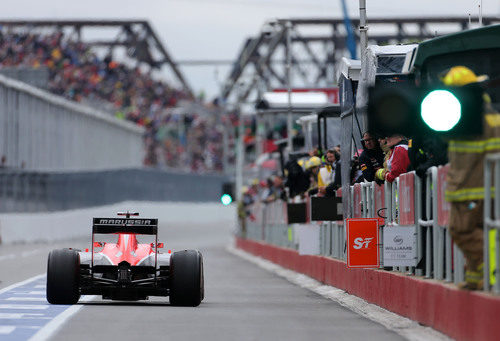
[[187, 141], [372, 157], [398, 161]]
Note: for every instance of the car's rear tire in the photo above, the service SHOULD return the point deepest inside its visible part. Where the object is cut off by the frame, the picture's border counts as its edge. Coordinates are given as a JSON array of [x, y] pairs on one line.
[[63, 277], [186, 278]]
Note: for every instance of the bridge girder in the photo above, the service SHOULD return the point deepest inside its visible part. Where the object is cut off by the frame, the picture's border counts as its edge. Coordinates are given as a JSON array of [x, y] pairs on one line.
[[316, 46]]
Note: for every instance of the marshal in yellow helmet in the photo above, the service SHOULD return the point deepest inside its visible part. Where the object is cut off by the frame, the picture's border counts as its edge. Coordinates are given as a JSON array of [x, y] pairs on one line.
[[461, 75], [313, 162]]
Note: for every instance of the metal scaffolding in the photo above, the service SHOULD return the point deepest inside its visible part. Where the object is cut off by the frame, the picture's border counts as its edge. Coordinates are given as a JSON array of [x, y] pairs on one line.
[[316, 46], [137, 37]]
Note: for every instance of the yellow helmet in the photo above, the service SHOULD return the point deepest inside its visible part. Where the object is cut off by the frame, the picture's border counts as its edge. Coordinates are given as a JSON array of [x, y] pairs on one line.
[[313, 162], [461, 75]]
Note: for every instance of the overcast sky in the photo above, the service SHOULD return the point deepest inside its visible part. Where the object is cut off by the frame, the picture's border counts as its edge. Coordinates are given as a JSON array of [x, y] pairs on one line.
[[216, 29]]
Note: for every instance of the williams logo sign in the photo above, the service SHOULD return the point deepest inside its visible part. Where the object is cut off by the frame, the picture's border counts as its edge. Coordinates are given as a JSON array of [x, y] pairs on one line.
[[398, 240]]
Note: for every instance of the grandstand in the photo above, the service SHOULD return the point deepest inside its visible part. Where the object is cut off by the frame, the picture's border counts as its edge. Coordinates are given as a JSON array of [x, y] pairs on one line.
[[55, 55]]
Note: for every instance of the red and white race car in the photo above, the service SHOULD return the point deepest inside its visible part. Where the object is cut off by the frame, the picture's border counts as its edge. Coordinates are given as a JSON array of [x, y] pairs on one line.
[[125, 270]]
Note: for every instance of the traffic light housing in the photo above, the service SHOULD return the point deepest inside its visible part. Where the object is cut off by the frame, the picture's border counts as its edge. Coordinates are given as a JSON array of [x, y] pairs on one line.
[[227, 195], [413, 111]]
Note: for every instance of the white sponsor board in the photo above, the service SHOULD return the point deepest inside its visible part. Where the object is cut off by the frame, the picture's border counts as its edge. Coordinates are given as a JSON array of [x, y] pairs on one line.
[[400, 246], [308, 239]]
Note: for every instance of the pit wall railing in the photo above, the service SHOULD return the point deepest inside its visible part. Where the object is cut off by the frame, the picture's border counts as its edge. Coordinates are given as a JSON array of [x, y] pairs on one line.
[[492, 222], [42, 131], [410, 201]]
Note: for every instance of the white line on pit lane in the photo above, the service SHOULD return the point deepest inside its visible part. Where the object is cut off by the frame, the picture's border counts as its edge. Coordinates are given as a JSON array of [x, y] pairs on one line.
[[16, 316], [403, 326], [24, 306], [15, 285], [27, 299], [33, 292], [50, 328], [6, 329]]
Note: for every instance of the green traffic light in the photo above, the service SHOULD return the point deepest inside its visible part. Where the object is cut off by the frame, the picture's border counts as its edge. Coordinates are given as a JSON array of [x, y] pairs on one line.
[[226, 199], [441, 110]]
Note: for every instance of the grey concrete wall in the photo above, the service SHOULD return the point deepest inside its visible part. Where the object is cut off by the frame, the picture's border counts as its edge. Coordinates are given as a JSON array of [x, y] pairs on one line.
[[32, 191]]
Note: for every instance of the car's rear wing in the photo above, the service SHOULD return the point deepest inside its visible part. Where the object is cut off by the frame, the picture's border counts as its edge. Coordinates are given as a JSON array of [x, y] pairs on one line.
[[125, 225]]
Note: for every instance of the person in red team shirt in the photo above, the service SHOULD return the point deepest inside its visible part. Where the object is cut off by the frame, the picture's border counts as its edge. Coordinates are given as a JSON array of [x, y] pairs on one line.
[[399, 161]]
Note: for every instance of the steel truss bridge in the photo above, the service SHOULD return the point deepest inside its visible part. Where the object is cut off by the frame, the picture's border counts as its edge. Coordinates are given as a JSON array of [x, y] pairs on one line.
[[136, 37], [316, 45]]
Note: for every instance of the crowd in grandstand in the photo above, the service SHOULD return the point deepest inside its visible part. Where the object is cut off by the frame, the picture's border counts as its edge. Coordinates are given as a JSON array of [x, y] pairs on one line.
[[189, 141]]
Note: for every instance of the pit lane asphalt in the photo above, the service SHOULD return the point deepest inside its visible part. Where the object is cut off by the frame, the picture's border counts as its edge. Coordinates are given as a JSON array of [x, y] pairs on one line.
[[242, 301]]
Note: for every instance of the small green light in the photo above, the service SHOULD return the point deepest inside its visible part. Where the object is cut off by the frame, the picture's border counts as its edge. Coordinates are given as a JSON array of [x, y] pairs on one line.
[[441, 110], [226, 199]]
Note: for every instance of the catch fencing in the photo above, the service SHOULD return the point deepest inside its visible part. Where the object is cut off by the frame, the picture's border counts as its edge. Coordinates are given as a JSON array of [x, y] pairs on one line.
[[41, 131], [410, 201]]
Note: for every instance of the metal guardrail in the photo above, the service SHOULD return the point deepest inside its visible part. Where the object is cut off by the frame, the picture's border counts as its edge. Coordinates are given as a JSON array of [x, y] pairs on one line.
[[492, 221], [41, 131], [437, 256], [33, 191]]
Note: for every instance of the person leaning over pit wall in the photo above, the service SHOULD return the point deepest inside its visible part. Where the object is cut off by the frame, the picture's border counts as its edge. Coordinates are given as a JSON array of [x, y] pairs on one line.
[[372, 157], [380, 173], [397, 161]]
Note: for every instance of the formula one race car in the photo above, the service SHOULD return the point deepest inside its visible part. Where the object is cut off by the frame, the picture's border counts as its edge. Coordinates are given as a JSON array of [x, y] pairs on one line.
[[125, 270]]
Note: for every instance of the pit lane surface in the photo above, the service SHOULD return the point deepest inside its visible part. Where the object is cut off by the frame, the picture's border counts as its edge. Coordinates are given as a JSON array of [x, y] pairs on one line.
[[242, 301]]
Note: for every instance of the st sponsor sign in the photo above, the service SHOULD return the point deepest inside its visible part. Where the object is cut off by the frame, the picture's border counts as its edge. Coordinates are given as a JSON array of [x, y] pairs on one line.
[[400, 246], [362, 243]]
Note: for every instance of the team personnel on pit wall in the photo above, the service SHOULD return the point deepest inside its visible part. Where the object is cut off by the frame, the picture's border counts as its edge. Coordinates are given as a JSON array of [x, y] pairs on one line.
[[372, 157], [397, 161], [312, 167], [465, 183], [327, 173]]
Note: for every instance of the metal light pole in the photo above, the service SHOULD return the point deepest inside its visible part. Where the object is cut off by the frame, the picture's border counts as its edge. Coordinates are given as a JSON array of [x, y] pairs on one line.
[[240, 150], [288, 51], [363, 30], [481, 13]]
